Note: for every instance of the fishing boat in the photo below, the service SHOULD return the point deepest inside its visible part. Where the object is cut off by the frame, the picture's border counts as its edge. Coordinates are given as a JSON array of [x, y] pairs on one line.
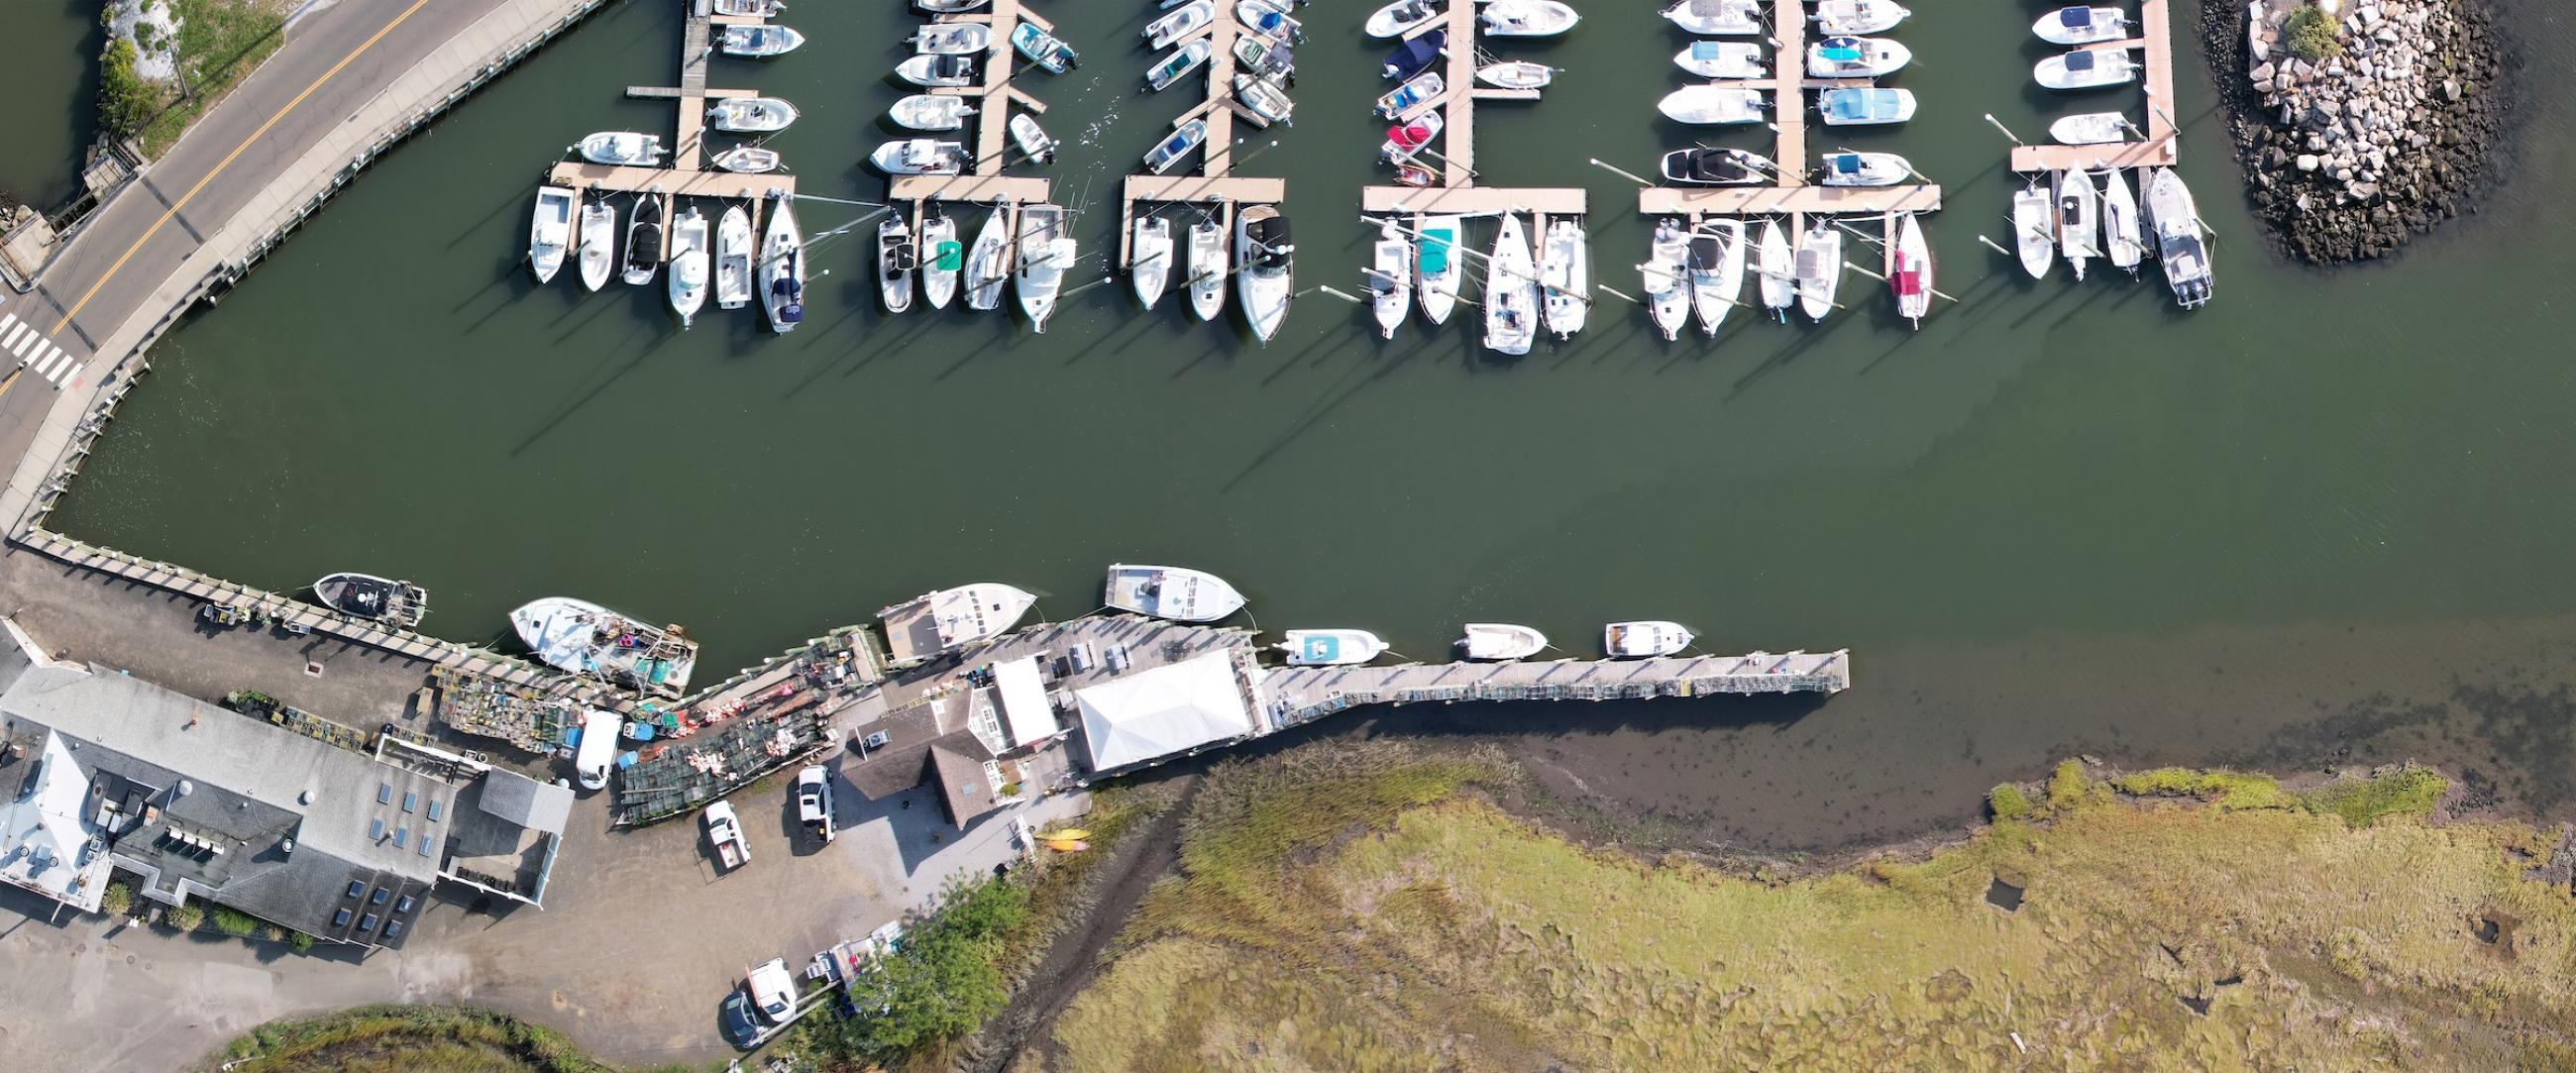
[[1644, 640], [622, 147], [734, 250], [1856, 107], [1032, 139], [598, 243], [751, 9], [688, 283], [1908, 267], [937, 70], [1269, 18], [1043, 49], [2121, 234], [1331, 648], [897, 259], [944, 258], [751, 115], [1856, 57], [1170, 592], [2181, 243], [2090, 128], [1501, 641], [1180, 22], [1257, 55], [550, 230], [1207, 268], [1150, 266], [1390, 278], [1723, 59], [953, 39], [1516, 74], [1866, 169], [1712, 104], [1264, 256], [1527, 18], [1045, 253], [1511, 291], [1846, 17], [1717, 167], [748, 160], [1415, 55], [988, 265], [1668, 290], [1565, 277], [1777, 268], [920, 156], [1403, 140], [2034, 239], [945, 620], [931, 111], [1717, 271], [1426, 86], [399, 604], [782, 268], [1718, 18], [2079, 218], [2082, 25], [760, 42], [1178, 65], [1264, 98], [643, 241], [1820, 268], [1401, 17], [580, 637], [2085, 69], [1436, 269], [1170, 151]]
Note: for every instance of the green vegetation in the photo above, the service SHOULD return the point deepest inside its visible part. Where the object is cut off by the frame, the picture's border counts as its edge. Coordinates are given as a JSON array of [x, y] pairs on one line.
[[187, 917], [234, 922], [943, 980], [2310, 34], [450, 1039], [2066, 785], [125, 100], [218, 42], [117, 900], [2007, 802], [2406, 791], [2224, 789]]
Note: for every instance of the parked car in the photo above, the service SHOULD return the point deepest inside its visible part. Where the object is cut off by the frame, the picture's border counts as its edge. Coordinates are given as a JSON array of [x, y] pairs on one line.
[[814, 801]]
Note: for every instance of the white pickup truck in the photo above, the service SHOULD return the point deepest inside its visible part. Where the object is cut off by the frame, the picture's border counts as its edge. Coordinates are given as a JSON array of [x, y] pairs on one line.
[[724, 831], [814, 801], [773, 991]]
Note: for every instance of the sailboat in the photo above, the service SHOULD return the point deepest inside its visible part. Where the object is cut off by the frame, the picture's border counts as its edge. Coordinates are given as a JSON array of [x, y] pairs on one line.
[[1207, 268], [2120, 230], [1778, 269], [782, 268], [1501, 640], [734, 250], [550, 231], [988, 266], [1045, 252], [1331, 648], [1390, 278], [1668, 291], [2034, 240], [1511, 291], [1717, 271], [1908, 267], [400, 604], [1264, 257], [943, 259], [896, 260], [2181, 243], [1516, 74], [1820, 268], [1150, 268], [643, 241], [1436, 268], [2079, 225], [598, 243], [1565, 273], [688, 284]]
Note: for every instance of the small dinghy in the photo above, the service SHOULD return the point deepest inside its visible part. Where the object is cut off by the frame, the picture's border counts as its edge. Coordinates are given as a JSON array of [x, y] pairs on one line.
[[953, 39], [1722, 59], [2079, 218], [598, 244], [2122, 236], [2181, 243], [943, 259], [2085, 69], [1501, 641], [1644, 640], [1777, 267], [1516, 74], [1331, 648], [1045, 254], [1511, 291], [988, 265], [1424, 87], [782, 268], [622, 147], [1404, 140], [1820, 268], [1866, 169], [1717, 271], [1908, 267], [1178, 65], [2090, 128], [931, 111], [2082, 25], [1177, 593], [1414, 174], [1181, 22], [1713, 104], [1527, 18], [550, 231], [734, 250], [1718, 18], [1401, 17], [1668, 291], [920, 156], [1032, 139], [760, 42], [1415, 56], [897, 258], [1565, 274], [1264, 257], [751, 115], [1264, 97], [1390, 278], [1436, 268], [1856, 57], [643, 241], [748, 160], [1717, 167], [1161, 158], [1836, 18], [689, 260], [1151, 269], [1043, 49], [1854, 107], [399, 604], [2034, 240], [937, 70], [1207, 268]]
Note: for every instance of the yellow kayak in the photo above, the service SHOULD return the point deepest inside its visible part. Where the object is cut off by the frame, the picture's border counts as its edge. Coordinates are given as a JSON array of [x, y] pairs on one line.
[[1068, 833], [1067, 845]]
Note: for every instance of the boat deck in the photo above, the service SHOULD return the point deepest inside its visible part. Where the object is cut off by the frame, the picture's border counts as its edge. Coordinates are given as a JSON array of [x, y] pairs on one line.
[[2155, 24]]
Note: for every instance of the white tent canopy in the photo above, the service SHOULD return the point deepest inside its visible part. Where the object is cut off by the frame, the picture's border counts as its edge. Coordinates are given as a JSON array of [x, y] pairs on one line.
[[1027, 717], [1162, 711]]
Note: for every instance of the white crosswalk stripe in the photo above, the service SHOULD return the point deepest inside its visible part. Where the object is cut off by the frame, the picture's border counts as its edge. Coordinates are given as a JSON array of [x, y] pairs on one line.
[[21, 347], [11, 338], [38, 354], [53, 355], [64, 376]]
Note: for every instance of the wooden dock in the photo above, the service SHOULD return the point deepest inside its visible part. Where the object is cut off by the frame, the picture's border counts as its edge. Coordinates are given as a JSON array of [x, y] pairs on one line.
[[1475, 200], [1297, 695], [2155, 24], [1215, 184], [984, 183]]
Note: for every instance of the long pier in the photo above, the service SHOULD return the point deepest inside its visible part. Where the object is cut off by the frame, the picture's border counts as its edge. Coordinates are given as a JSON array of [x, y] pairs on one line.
[[1215, 185], [2158, 149], [1302, 694], [994, 96]]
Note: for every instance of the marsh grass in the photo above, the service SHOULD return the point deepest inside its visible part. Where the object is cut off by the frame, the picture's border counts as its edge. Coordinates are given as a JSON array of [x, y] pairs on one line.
[[450, 1039]]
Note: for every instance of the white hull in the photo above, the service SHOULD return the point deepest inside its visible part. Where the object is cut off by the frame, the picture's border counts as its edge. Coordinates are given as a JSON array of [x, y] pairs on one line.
[[689, 262], [897, 258], [734, 251], [1171, 592], [2123, 243], [931, 111], [988, 264], [1856, 57], [938, 248], [937, 70], [920, 156], [584, 638], [1044, 253], [1565, 270], [1436, 288], [1400, 17], [2074, 70], [1151, 269], [1777, 267], [1501, 641], [2090, 128], [2082, 25], [1718, 288], [1516, 74], [2034, 240], [1722, 59], [1718, 18], [947, 619], [2079, 219], [1390, 279], [1644, 640], [1820, 269], [1511, 292], [953, 39], [550, 231], [598, 244], [1331, 648], [1667, 286], [1263, 290], [622, 147], [1864, 107], [748, 160], [751, 115], [642, 255], [1207, 269], [1712, 105], [1866, 169], [1846, 17], [1160, 33], [2181, 244], [1908, 267], [761, 42], [782, 269]]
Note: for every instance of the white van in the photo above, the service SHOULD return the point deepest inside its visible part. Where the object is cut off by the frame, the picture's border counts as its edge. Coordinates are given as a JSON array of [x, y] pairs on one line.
[[598, 748]]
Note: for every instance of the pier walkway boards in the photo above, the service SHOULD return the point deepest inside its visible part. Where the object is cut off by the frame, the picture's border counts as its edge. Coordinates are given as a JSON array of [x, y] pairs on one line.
[[1300, 694]]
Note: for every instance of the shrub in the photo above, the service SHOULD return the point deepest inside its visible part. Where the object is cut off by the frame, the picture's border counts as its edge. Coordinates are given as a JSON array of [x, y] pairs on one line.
[[2407, 791], [186, 917], [2066, 785], [2007, 802], [301, 942], [2224, 789], [117, 900], [125, 101], [234, 922], [2310, 33]]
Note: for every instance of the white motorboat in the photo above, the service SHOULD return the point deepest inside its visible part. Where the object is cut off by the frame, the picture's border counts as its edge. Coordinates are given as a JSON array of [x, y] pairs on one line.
[[1170, 592], [1527, 18], [1170, 150], [584, 638], [598, 243], [953, 39], [1718, 18], [734, 250], [1150, 266], [920, 156], [1426, 86], [943, 259], [1908, 267], [2085, 69], [365, 596], [1777, 267], [748, 160], [2122, 236], [752, 9], [1842, 17], [1264, 97], [1258, 55], [1043, 49], [948, 7], [1179, 23], [1565, 277], [1270, 19], [2082, 25], [1820, 268], [1331, 648], [1390, 278], [643, 241], [1668, 290], [1046, 252], [945, 620], [1416, 54], [1401, 17], [751, 115], [988, 265], [550, 230], [937, 70], [1866, 169], [782, 268], [1501, 641], [1706, 166], [2079, 218], [1722, 59], [897, 260], [1644, 640], [2090, 128], [2181, 243], [1856, 57], [760, 42], [2034, 238], [1405, 140], [1712, 104], [1032, 139], [1855, 107], [689, 257], [1511, 291], [1436, 267], [622, 147], [1177, 66], [1207, 268], [1516, 74], [931, 111], [1717, 258], [1264, 256]]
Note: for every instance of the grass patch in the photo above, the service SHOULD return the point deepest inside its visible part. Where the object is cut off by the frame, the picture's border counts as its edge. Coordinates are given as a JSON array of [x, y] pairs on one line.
[[2224, 789], [2406, 791], [220, 42], [451, 1039], [2007, 802], [2066, 785], [2310, 34]]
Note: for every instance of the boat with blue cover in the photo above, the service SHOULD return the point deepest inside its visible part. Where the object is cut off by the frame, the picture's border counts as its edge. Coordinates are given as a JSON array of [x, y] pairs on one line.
[[1331, 648]]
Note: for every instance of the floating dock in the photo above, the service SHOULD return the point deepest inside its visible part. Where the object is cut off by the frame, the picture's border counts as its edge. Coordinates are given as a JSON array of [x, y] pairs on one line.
[[2159, 149], [984, 183], [1455, 189], [1215, 185], [1301, 694]]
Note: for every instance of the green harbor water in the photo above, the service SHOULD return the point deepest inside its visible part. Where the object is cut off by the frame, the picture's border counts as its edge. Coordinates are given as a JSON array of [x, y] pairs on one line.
[[51, 84], [2325, 517]]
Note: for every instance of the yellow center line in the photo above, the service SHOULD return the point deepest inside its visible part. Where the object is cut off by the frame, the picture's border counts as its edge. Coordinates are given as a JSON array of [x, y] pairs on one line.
[[182, 203], [12, 380]]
